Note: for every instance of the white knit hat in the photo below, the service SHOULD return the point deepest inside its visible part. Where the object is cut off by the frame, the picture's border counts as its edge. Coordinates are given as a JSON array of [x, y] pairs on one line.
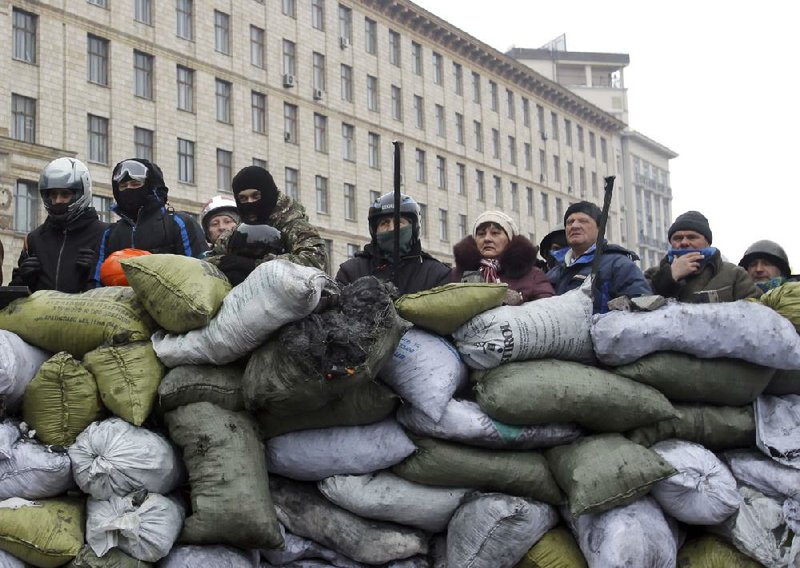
[[498, 218]]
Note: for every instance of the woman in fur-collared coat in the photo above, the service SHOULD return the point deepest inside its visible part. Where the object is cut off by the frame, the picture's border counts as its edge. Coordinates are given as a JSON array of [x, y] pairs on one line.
[[496, 253]]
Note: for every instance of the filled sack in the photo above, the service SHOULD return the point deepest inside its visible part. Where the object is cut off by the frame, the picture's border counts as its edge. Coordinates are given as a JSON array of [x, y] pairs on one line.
[[216, 555], [19, 362], [114, 558], [713, 427], [34, 471], [778, 428], [187, 384], [784, 382], [8, 560], [9, 434], [556, 549], [299, 550], [773, 479], [709, 551]]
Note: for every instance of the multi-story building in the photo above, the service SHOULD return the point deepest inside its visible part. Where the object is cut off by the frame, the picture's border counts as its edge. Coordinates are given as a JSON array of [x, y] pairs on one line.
[[315, 90]]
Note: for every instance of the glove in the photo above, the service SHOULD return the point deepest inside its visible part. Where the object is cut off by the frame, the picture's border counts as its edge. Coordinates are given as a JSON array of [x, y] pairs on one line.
[[512, 298], [85, 259], [236, 267], [29, 270]]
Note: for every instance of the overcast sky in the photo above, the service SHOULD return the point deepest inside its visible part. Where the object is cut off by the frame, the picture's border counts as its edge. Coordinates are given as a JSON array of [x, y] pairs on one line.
[[712, 80]]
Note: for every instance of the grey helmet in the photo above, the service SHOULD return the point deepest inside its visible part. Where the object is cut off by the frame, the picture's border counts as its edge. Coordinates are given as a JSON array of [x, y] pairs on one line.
[[384, 206], [66, 173], [769, 250]]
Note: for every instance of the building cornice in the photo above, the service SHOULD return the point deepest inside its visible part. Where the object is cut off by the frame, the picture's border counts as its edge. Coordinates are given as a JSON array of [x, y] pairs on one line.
[[621, 59], [650, 143]]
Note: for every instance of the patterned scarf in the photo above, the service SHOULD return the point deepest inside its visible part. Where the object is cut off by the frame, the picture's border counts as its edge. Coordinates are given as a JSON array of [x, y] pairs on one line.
[[489, 269]]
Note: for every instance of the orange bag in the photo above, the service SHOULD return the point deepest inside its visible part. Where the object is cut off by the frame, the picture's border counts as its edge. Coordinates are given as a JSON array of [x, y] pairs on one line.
[[111, 273]]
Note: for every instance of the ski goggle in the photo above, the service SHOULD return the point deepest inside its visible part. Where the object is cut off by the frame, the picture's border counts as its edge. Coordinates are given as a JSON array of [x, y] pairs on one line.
[[131, 169]]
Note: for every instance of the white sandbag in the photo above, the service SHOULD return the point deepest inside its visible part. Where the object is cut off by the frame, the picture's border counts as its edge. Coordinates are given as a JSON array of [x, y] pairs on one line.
[[778, 427], [636, 534], [8, 560], [311, 455], [556, 328], [275, 293], [216, 555], [297, 548], [737, 330], [19, 362], [703, 492], [34, 471], [494, 530], [425, 370], [9, 434], [388, 497], [142, 525], [464, 421], [114, 457], [771, 478]]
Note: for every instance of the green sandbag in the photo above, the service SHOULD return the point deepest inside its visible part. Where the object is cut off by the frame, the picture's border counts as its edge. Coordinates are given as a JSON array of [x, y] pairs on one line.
[[180, 292], [556, 549], [48, 533], [711, 552], [445, 464], [784, 382], [605, 471], [684, 378], [77, 323], [220, 385], [445, 308], [226, 462], [127, 378], [367, 404], [785, 299], [61, 400], [547, 391], [114, 558], [714, 427]]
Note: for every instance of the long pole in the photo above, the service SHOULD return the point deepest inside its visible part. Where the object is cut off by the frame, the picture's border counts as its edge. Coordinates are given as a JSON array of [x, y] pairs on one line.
[[608, 190], [397, 181]]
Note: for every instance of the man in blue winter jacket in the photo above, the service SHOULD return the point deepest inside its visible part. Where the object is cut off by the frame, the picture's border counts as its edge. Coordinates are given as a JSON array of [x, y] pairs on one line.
[[618, 275]]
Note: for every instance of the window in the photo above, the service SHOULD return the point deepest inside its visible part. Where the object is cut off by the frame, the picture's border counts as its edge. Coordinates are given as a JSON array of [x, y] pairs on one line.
[[422, 174], [441, 172], [321, 185], [604, 150], [24, 32], [528, 156], [370, 36], [224, 167], [529, 201], [540, 118], [462, 226], [444, 233], [374, 150], [103, 207], [510, 104], [223, 90], [394, 48], [480, 188], [372, 93], [348, 142], [419, 112], [556, 169], [290, 123], [461, 179], [498, 191], [545, 208], [493, 95], [256, 46], [570, 176], [328, 255], [476, 87], [416, 58], [526, 112], [97, 127], [290, 183], [458, 78], [143, 143], [512, 150], [222, 32], [26, 206], [258, 112], [592, 146], [143, 74], [559, 208], [374, 196], [289, 58], [184, 12], [495, 143], [437, 68], [579, 129], [318, 71], [345, 23], [185, 161], [478, 128], [514, 196], [542, 165], [459, 128], [347, 83], [595, 190], [321, 133], [554, 125], [440, 125], [96, 59], [582, 180], [318, 14], [101, 3], [143, 11], [351, 250], [397, 103], [185, 88], [423, 220], [289, 8], [349, 201], [567, 132]]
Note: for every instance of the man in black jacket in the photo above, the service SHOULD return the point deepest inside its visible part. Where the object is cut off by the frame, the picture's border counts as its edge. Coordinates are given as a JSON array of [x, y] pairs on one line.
[[416, 271], [60, 253]]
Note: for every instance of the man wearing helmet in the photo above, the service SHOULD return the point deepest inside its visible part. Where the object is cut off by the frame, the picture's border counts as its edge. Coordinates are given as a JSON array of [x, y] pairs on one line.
[[767, 264], [61, 252], [416, 270], [219, 215]]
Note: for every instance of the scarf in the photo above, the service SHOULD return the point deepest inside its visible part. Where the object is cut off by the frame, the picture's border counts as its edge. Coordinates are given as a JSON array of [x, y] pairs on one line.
[[489, 269], [772, 283]]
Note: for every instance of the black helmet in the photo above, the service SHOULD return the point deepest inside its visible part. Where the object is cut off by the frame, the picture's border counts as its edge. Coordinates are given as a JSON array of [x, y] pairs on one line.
[[66, 173], [384, 206], [255, 241], [141, 170], [769, 250]]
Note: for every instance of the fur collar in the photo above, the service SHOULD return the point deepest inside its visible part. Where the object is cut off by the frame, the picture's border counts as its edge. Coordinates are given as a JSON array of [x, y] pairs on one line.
[[516, 261]]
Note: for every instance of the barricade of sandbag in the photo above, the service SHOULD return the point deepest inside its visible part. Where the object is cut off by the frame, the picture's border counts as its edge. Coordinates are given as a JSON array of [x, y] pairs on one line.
[[784, 382], [34, 471], [19, 362], [753, 468], [195, 556], [299, 550], [114, 558], [778, 428], [709, 551], [556, 549], [186, 384]]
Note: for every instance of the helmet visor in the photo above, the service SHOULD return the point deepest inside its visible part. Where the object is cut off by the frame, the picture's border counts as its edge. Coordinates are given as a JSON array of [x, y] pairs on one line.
[[136, 171]]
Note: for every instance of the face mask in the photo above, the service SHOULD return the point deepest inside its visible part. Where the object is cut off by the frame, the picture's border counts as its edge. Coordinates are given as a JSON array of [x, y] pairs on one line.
[[58, 210], [386, 241], [254, 208], [131, 200]]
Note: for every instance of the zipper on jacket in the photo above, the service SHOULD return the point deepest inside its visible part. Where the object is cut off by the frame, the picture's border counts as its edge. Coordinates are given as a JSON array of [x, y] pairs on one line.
[[60, 252]]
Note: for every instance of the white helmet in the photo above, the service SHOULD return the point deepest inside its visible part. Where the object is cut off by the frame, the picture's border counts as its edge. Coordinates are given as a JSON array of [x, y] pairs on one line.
[[215, 206], [66, 173]]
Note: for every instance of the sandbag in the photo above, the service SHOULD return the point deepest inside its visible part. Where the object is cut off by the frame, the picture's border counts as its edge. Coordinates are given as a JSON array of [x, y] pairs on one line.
[[684, 378], [127, 378], [34, 471], [303, 511], [785, 299], [495, 530], [556, 549], [547, 391], [180, 292], [77, 323], [426, 371], [703, 492], [225, 460], [19, 362], [45, 533], [312, 455], [739, 330], [753, 468], [387, 497], [463, 421], [445, 308], [9, 434], [61, 400], [216, 555], [604, 471], [778, 428], [709, 551], [556, 327], [366, 404], [784, 382], [114, 558], [144, 525], [10, 561], [444, 464], [201, 383], [275, 293], [636, 534], [113, 457], [713, 427], [299, 549]]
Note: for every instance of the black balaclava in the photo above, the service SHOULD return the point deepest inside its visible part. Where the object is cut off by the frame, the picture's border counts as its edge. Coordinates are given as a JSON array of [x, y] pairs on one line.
[[255, 177], [131, 201]]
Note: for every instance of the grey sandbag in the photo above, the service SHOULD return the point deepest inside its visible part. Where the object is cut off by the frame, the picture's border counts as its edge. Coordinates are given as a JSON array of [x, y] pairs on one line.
[[547, 391], [227, 470], [297, 549], [784, 382], [684, 378], [303, 511], [463, 421], [9, 434], [35, 471], [8, 560], [114, 558], [495, 530], [771, 478], [19, 362], [385, 496], [778, 428], [444, 464], [369, 403], [714, 427], [604, 471], [220, 385], [213, 555]]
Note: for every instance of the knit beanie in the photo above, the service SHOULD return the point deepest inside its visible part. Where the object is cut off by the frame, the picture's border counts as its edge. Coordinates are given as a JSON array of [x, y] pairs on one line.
[[586, 207], [691, 221], [498, 218]]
